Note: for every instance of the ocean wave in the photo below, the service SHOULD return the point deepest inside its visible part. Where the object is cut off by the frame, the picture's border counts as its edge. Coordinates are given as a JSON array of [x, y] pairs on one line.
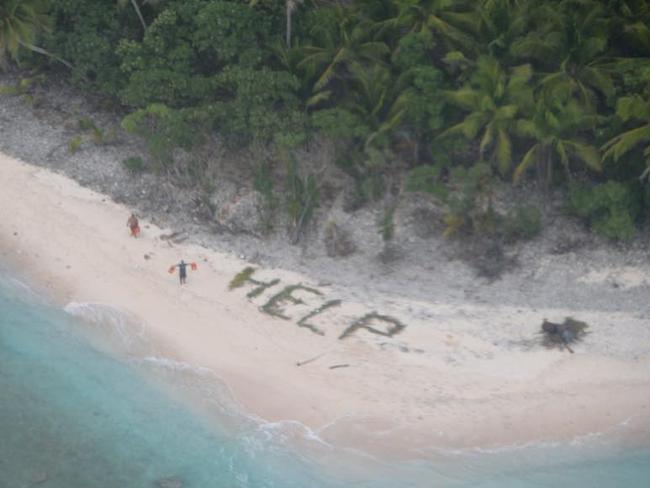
[[109, 327], [200, 387], [16, 289], [284, 432], [175, 365]]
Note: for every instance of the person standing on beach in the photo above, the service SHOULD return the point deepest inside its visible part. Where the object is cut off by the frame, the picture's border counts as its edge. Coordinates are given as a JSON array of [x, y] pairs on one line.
[[182, 271], [134, 225]]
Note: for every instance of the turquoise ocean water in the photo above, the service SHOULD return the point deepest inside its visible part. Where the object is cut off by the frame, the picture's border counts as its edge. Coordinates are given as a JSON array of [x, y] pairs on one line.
[[85, 402]]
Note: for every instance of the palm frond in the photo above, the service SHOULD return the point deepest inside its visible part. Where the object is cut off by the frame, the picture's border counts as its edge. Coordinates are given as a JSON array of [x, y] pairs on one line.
[[599, 80], [329, 72], [526, 128], [465, 98], [586, 153], [487, 139], [620, 145], [633, 107], [467, 128], [503, 152], [529, 158], [319, 97], [561, 151], [505, 113], [519, 77]]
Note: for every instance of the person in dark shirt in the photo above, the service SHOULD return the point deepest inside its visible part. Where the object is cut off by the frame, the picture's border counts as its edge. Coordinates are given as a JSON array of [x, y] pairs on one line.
[[182, 271]]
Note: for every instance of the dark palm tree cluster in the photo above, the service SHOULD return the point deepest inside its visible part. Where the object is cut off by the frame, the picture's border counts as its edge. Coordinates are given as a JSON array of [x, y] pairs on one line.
[[550, 88], [529, 84]]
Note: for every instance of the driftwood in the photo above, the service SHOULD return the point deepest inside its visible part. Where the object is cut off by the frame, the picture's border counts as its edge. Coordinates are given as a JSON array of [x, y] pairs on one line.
[[307, 361], [563, 334], [336, 366], [175, 237]]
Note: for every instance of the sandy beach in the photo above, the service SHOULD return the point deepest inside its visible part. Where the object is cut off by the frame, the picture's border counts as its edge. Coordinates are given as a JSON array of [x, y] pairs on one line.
[[416, 376]]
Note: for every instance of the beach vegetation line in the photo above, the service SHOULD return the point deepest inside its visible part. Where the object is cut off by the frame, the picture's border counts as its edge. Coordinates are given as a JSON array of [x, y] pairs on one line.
[[533, 93]]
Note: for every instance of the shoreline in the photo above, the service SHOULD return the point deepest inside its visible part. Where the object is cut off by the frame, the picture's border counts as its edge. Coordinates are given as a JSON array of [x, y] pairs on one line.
[[449, 380]]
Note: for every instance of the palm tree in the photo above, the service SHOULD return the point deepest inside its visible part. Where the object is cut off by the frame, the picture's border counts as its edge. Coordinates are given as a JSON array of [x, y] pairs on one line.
[[632, 108], [439, 17], [497, 25], [138, 11], [20, 23], [494, 101], [291, 5], [569, 48], [337, 51], [376, 98], [136, 7], [630, 26], [555, 126]]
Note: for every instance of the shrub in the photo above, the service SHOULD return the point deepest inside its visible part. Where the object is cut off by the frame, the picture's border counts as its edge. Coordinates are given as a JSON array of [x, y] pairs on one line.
[[467, 197], [611, 208], [302, 198], [338, 241], [256, 105], [263, 184], [386, 224], [74, 144], [134, 164], [85, 33], [522, 222], [469, 201], [426, 178], [94, 133], [163, 129]]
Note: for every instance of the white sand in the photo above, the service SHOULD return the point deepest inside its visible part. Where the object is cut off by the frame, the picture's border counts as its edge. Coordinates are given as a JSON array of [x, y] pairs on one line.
[[454, 377]]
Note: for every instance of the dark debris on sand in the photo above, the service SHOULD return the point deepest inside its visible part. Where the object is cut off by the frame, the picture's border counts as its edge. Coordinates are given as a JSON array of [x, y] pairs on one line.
[[561, 335]]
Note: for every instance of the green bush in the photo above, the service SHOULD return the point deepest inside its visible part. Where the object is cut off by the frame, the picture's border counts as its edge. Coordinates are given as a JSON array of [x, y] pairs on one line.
[[94, 133], [134, 164], [257, 105], [187, 45], [302, 198], [469, 203], [522, 223], [386, 224], [163, 129], [611, 208], [339, 123], [426, 178], [74, 144], [467, 197], [85, 33]]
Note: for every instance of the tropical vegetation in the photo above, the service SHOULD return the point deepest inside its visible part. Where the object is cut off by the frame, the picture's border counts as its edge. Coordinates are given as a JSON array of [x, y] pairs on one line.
[[554, 92]]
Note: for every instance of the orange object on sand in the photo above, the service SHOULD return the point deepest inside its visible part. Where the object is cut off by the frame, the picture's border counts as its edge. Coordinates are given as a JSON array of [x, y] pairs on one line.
[[194, 266], [171, 269]]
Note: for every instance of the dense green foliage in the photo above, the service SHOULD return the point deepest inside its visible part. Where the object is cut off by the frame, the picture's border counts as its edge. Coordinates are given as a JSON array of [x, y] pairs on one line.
[[610, 208], [557, 90]]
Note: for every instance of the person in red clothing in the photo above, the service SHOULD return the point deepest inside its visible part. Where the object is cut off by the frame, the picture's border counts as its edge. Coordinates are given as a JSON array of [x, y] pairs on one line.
[[134, 225]]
